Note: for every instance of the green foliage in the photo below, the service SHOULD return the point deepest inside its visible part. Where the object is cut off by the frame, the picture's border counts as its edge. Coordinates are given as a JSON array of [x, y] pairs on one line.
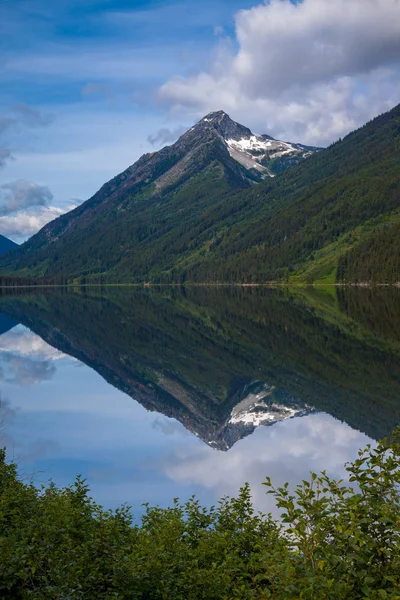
[[375, 259], [334, 541], [346, 539]]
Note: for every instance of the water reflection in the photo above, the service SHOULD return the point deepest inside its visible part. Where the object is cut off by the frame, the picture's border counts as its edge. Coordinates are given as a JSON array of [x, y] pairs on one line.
[[219, 364]]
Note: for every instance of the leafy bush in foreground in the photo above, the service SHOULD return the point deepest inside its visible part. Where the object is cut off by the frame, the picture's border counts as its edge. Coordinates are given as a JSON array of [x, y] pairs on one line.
[[334, 542]]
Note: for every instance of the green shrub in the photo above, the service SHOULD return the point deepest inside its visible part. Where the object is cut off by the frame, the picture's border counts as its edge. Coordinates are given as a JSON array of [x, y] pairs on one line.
[[333, 542]]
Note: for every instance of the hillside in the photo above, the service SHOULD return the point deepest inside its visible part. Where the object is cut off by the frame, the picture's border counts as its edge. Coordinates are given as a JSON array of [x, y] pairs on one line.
[[6, 245], [340, 208], [193, 213], [160, 210]]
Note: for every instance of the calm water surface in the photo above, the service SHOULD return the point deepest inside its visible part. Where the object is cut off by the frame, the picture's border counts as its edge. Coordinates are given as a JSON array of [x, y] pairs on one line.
[[161, 393]]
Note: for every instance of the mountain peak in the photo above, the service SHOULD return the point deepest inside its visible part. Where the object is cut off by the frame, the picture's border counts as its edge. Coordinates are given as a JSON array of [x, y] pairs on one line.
[[261, 155], [221, 122], [217, 114]]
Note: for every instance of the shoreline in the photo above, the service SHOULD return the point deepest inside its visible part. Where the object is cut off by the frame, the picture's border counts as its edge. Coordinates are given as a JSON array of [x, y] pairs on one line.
[[269, 284]]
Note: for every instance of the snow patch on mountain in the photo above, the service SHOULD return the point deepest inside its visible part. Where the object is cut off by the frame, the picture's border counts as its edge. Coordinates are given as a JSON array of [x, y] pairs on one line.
[[255, 152]]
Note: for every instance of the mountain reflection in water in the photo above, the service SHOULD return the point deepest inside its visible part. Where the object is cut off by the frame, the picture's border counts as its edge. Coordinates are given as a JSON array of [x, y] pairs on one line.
[[224, 361]]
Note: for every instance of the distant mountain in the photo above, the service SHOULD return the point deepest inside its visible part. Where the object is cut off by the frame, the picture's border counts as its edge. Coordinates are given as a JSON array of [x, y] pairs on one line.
[[205, 210], [161, 211], [6, 245]]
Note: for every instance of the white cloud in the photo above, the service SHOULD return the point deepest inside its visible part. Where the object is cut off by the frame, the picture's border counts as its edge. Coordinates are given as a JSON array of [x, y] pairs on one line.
[[310, 71], [20, 194], [25, 208], [25, 371], [26, 223]]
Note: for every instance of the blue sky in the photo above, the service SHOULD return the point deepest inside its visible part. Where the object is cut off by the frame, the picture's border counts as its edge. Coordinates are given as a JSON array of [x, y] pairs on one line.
[[87, 86]]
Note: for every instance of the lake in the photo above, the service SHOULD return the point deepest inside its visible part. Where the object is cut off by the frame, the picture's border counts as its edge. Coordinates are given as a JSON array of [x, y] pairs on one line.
[[157, 393]]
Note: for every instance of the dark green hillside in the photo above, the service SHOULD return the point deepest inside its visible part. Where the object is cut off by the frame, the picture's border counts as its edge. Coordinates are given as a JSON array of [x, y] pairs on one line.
[[314, 213], [191, 213], [144, 220], [376, 258]]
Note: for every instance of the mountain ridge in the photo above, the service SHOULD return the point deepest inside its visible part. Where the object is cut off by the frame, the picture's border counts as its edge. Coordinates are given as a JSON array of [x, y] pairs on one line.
[[192, 213], [193, 175]]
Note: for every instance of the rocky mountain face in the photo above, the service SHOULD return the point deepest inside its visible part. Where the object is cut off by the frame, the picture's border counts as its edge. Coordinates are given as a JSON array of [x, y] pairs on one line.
[[262, 155], [158, 207], [6, 245]]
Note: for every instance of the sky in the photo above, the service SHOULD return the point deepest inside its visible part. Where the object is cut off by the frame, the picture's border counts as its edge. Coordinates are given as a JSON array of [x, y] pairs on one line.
[[88, 86]]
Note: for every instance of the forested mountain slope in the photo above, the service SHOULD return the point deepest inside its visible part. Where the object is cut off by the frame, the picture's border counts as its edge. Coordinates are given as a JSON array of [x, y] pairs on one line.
[[148, 218], [191, 212], [339, 208]]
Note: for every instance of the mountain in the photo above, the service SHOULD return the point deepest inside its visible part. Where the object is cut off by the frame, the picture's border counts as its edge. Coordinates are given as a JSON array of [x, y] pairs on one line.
[[224, 361], [162, 210], [6, 245], [192, 213], [334, 217], [262, 155]]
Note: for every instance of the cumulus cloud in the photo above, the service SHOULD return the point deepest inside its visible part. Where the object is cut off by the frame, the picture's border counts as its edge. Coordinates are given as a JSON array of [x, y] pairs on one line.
[[165, 136], [315, 69], [24, 224], [21, 194], [25, 208]]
